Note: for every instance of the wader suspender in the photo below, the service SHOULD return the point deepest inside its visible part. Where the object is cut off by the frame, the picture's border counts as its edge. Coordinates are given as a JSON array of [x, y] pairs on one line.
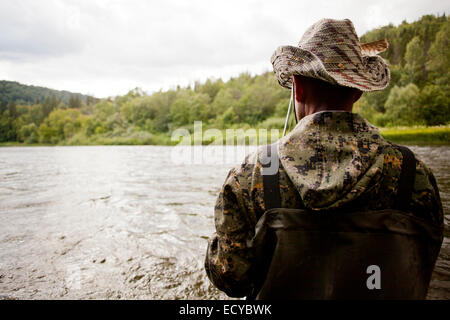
[[272, 198], [271, 186], [406, 180]]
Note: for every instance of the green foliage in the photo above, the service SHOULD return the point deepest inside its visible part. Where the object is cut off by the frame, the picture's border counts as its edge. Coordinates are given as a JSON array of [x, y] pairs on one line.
[[259, 99], [61, 124], [28, 133], [435, 105], [50, 103], [189, 107], [415, 61], [7, 129], [224, 99], [282, 107], [403, 105], [272, 123], [210, 87], [75, 101], [419, 61], [12, 109], [438, 63]]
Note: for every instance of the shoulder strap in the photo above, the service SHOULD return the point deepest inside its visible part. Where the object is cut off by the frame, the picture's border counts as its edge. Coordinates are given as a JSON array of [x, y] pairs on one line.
[[271, 187], [407, 178]]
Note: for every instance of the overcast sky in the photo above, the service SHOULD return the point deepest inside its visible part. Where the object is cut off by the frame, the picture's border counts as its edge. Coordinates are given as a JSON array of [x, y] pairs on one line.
[[106, 48]]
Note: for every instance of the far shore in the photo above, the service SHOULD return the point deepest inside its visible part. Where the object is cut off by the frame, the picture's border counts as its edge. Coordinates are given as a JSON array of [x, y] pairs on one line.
[[417, 135]]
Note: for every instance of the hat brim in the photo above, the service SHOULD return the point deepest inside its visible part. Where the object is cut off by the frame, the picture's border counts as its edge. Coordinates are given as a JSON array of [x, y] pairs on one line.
[[373, 74]]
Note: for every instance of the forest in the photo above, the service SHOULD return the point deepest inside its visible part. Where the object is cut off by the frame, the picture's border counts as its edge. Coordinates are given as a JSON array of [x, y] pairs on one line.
[[416, 101], [12, 91]]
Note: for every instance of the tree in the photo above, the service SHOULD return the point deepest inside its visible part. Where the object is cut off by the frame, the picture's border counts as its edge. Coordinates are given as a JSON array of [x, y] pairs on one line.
[[439, 57], [210, 87], [7, 130], [435, 105], [403, 106], [3, 107], [223, 100], [61, 124], [12, 108], [75, 101], [28, 133], [189, 107], [415, 70], [50, 103]]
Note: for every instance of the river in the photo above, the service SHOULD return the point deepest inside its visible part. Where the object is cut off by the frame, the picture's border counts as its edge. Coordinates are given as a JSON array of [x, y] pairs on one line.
[[127, 222]]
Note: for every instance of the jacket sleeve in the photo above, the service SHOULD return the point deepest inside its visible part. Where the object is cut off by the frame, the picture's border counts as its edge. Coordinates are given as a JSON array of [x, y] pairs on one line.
[[229, 258], [425, 198]]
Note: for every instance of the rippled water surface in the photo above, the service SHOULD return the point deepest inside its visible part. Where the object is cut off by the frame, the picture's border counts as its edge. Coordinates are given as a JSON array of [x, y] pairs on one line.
[[125, 222]]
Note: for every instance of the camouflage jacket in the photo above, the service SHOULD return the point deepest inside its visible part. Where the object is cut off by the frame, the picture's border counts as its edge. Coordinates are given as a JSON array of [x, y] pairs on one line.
[[330, 160]]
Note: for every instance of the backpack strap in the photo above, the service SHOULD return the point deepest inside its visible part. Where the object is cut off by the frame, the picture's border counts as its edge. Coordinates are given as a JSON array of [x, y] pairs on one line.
[[271, 186], [272, 199], [407, 178]]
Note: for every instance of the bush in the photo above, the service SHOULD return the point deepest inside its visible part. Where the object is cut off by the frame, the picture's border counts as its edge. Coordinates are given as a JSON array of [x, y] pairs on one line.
[[403, 106], [272, 123]]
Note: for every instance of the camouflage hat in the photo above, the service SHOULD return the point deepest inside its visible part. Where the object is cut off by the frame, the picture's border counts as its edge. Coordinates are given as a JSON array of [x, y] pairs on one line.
[[330, 51]]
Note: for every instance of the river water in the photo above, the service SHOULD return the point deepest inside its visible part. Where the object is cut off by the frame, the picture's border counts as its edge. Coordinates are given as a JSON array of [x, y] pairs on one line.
[[127, 222]]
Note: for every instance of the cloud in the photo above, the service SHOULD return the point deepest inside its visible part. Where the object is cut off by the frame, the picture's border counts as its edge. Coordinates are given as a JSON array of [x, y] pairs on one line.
[[32, 30], [108, 47]]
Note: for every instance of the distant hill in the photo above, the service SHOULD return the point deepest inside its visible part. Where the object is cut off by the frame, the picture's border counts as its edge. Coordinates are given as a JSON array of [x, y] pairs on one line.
[[11, 91]]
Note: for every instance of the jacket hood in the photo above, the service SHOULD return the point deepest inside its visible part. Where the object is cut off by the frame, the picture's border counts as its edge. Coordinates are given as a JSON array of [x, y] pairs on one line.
[[332, 157]]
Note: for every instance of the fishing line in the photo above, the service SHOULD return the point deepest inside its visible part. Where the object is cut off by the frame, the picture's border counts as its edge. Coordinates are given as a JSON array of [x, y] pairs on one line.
[[288, 115], [289, 111]]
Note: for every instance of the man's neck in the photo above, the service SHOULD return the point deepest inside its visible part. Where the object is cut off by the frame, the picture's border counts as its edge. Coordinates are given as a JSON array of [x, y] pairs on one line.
[[312, 108]]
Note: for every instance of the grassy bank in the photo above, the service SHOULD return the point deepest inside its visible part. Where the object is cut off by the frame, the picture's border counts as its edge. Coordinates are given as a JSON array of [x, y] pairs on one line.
[[439, 135]]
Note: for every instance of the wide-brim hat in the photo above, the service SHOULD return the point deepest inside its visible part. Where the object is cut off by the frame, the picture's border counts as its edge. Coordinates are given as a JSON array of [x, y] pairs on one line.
[[330, 50]]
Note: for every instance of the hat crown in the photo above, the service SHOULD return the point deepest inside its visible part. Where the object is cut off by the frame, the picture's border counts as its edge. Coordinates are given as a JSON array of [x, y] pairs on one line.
[[331, 38]]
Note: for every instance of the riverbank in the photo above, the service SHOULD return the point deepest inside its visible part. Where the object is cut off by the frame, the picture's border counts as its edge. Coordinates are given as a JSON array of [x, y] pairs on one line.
[[417, 135]]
